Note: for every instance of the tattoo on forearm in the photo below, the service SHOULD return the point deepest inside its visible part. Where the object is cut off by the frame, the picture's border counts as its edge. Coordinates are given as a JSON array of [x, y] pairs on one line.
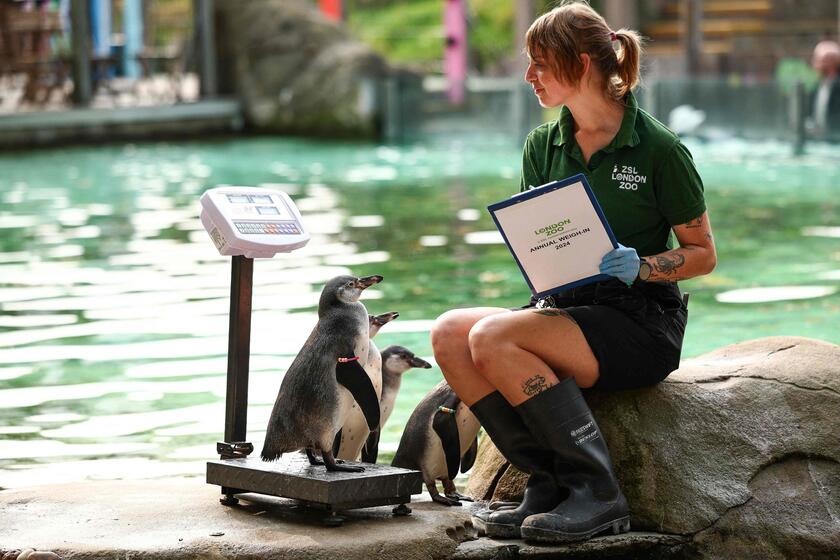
[[668, 265], [709, 236], [534, 385], [694, 223]]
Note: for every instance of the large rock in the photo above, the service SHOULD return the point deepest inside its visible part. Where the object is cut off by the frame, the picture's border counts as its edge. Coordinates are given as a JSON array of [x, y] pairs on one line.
[[296, 71], [739, 449]]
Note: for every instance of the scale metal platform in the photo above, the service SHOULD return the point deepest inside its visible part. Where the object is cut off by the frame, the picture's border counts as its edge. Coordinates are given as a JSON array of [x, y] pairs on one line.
[[291, 476]]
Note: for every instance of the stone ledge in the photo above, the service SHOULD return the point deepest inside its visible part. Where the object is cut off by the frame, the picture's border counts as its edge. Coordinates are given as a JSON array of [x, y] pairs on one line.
[[631, 545], [737, 450]]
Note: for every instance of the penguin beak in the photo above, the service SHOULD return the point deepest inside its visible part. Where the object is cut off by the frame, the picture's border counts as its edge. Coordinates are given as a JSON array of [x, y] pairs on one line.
[[368, 281], [385, 318], [420, 363]]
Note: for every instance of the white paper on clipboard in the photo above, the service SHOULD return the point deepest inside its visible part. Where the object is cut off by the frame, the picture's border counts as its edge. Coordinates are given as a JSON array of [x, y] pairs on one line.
[[557, 233]]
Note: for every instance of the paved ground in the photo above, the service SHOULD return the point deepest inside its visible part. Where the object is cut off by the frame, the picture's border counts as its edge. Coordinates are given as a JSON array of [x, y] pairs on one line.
[[182, 518]]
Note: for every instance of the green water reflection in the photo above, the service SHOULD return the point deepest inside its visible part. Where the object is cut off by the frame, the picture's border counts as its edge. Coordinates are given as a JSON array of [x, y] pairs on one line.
[[113, 329]]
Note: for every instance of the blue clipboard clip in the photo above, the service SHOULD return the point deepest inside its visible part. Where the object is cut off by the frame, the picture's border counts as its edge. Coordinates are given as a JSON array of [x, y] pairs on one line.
[[523, 196]]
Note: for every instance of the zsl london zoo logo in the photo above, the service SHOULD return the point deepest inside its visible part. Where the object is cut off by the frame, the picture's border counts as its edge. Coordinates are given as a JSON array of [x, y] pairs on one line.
[[628, 178]]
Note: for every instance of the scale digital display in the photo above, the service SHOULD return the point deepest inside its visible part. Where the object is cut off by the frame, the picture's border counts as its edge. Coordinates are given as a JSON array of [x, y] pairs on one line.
[[252, 221], [249, 198]]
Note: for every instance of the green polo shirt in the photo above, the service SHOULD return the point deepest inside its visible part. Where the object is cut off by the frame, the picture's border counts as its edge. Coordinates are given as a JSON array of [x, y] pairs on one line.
[[644, 180]]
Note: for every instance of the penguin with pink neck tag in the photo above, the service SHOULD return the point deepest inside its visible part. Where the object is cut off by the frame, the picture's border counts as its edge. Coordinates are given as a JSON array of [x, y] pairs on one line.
[[352, 436], [326, 378]]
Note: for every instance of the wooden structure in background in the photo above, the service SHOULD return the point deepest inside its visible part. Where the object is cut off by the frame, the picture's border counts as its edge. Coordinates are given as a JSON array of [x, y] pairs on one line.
[[26, 48], [741, 37], [28, 39]]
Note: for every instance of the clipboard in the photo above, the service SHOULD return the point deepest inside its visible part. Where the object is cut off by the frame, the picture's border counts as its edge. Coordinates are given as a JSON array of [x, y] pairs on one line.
[[557, 234]]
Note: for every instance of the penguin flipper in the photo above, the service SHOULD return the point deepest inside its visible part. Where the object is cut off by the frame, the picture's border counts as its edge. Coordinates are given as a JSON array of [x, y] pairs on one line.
[[353, 377], [370, 451], [446, 428], [336, 444], [468, 460]]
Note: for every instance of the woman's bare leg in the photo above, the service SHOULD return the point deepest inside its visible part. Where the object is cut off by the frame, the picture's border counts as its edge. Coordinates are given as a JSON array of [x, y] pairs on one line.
[[520, 353], [523, 353], [450, 342]]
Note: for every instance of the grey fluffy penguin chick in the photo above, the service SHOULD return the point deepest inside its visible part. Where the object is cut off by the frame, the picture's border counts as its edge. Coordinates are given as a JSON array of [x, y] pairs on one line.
[[354, 433], [396, 360], [441, 435], [326, 378]]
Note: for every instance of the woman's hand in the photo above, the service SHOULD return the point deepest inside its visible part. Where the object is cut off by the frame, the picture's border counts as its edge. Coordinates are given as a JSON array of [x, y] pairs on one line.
[[623, 263]]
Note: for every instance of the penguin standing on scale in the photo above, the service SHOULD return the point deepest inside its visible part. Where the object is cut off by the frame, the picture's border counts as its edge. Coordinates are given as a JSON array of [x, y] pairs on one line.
[[351, 438], [396, 360], [318, 390], [440, 435]]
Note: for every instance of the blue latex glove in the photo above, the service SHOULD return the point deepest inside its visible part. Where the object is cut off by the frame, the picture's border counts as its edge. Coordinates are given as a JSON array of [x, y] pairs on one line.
[[623, 263]]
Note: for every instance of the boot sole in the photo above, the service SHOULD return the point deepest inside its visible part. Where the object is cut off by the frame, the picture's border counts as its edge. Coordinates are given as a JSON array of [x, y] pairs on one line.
[[618, 526], [502, 531]]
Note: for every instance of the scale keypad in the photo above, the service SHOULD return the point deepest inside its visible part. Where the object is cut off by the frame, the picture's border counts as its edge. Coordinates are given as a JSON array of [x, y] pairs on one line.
[[267, 228]]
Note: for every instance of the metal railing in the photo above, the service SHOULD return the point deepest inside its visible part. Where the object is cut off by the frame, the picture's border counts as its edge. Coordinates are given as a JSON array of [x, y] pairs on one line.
[[417, 109]]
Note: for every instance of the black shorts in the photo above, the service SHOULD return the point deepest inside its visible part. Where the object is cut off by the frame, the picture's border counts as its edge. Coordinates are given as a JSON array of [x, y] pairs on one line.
[[635, 332]]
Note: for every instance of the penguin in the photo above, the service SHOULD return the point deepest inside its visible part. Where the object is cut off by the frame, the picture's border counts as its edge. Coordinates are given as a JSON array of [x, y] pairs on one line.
[[396, 360], [325, 378], [441, 433], [354, 432]]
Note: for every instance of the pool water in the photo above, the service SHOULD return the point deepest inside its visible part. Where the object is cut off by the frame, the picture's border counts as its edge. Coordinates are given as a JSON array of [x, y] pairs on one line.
[[114, 302]]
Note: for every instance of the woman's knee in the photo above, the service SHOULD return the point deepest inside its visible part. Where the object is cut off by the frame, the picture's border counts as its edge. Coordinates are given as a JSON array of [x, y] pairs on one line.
[[449, 333], [486, 339]]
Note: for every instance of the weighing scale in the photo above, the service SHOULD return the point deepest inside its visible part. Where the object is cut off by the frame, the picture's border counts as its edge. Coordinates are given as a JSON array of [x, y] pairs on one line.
[[246, 223]]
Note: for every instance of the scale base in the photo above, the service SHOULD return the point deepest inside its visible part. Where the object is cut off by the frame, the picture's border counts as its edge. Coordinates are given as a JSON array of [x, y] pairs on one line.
[[293, 477]]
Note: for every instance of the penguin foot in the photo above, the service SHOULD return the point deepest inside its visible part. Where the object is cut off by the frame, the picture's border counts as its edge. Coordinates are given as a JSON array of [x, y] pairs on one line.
[[345, 468], [458, 496], [451, 492], [313, 460], [333, 465], [445, 500]]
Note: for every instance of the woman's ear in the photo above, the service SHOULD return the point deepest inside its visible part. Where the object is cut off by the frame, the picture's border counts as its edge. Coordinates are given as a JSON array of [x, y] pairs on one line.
[[586, 61]]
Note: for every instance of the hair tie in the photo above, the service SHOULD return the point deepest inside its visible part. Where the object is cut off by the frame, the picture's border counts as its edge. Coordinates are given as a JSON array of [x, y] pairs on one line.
[[613, 36]]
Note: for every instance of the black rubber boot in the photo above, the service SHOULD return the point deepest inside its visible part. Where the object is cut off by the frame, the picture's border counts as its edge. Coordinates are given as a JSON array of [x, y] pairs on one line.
[[561, 418], [516, 442]]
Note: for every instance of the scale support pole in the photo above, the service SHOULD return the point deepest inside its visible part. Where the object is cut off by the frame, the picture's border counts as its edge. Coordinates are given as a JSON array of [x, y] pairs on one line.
[[206, 46], [239, 348]]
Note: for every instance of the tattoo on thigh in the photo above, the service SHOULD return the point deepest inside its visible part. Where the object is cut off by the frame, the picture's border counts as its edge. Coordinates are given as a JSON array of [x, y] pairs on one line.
[[534, 385], [551, 312], [668, 265], [554, 312]]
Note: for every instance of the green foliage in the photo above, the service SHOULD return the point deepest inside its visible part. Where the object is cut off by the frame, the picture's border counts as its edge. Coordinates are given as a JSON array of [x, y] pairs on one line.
[[411, 31], [491, 33], [407, 31]]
